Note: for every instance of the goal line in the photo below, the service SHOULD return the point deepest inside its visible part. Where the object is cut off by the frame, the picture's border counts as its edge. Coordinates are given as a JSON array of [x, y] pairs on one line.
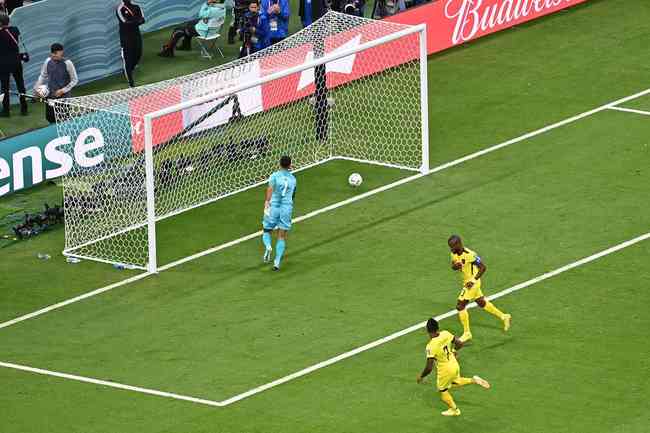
[[328, 362]]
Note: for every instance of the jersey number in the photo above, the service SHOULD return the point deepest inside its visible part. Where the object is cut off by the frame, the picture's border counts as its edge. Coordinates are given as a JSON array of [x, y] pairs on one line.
[[286, 187], [446, 349]]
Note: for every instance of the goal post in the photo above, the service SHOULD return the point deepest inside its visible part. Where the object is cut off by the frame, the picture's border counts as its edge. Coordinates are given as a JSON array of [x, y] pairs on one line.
[[173, 146]]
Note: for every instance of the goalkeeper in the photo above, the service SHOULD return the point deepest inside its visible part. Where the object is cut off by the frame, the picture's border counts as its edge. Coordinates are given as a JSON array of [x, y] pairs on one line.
[[278, 206]]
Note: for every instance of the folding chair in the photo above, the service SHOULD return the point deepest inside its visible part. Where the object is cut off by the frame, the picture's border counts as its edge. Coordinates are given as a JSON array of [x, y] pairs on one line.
[[208, 42]]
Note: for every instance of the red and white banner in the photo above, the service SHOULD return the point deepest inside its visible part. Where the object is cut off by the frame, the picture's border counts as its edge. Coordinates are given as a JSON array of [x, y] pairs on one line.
[[454, 22], [449, 23]]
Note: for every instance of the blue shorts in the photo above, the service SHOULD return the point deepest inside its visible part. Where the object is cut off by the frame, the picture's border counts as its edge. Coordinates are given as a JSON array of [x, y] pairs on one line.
[[279, 217]]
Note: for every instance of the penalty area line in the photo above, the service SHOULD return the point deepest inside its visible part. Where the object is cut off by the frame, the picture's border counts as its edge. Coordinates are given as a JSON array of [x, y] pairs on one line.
[[327, 362], [350, 200], [421, 325]]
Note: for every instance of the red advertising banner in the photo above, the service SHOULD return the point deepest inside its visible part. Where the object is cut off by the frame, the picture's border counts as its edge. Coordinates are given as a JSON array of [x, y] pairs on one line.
[[449, 23], [339, 72], [454, 22]]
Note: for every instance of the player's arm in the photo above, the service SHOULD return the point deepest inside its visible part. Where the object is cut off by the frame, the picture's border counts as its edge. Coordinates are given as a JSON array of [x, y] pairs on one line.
[[456, 266], [267, 198], [458, 344], [481, 270], [428, 368]]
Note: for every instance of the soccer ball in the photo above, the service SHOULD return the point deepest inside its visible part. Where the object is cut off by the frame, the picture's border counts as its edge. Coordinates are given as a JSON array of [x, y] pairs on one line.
[[355, 180], [43, 91]]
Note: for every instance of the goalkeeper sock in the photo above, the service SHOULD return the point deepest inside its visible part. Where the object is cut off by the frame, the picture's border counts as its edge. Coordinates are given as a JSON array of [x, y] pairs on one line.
[[462, 381], [463, 316], [490, 308], [279, 251], [448, 399], [266, 239]]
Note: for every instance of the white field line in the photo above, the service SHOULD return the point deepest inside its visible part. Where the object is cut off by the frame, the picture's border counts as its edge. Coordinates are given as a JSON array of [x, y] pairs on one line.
[[109, 384], [341, 203], [335, 359], [417, 176], [73, 300], [630, 110], [420, 325]]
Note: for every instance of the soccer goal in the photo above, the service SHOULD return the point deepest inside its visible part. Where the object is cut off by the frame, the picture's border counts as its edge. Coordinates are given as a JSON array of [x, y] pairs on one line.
[[343, 88]]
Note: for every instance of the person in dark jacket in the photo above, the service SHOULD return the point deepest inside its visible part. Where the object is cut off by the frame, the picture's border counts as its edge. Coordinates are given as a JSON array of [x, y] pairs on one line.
[[130, 19], [10, 64], [57, 79], [254, 30]]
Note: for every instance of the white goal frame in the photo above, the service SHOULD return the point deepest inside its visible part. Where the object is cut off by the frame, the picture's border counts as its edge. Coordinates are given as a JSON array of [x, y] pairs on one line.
[[149, 118]]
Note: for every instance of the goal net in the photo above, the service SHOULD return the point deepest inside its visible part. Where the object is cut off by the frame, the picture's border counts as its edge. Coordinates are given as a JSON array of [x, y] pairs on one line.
[[342, 88]]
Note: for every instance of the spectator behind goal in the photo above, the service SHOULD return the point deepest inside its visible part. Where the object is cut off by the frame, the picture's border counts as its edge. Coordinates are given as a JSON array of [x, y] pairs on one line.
[[277, 14], [211, 18], [130, 18], [57, 79]]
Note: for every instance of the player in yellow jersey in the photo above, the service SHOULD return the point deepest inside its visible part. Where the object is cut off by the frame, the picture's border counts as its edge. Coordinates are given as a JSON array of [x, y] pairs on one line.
[[472, 268], [440, 350]]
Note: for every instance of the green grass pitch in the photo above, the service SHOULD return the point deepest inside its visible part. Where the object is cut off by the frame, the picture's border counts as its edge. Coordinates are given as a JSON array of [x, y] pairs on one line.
[[575, 360]]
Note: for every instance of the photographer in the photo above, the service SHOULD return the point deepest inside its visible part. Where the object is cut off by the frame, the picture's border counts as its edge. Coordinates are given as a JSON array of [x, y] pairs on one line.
[[254, 31], [11, 64], [59, 76], [277, 13], [211, 11]]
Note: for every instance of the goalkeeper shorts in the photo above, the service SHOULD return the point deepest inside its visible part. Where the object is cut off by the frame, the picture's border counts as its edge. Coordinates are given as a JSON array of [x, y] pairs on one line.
[[278, 217]]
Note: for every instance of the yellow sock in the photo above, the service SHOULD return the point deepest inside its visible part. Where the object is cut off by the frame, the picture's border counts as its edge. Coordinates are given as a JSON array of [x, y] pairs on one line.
[[448, 399], [463, 316], [462, 381], [490, 308]]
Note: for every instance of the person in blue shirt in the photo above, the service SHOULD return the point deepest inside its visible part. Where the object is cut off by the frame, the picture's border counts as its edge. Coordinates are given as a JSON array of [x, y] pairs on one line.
[[211, 17], [278, 207], [254, 31], [277, 13]]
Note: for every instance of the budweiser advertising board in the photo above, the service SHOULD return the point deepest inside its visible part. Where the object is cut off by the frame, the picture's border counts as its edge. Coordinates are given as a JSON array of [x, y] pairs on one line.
[[454, 22]]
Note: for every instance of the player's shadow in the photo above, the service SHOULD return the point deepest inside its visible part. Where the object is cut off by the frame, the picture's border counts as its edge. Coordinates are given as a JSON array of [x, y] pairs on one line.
[[373, 224]]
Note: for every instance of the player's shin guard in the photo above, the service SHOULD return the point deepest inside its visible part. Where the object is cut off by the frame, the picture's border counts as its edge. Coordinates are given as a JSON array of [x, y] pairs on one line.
[[266, 239], [448, 399], [463, 316], [490, 308], [279, 252], [462, 381]]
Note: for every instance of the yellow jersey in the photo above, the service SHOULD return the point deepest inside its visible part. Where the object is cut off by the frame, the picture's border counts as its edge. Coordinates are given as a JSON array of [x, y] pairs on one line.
[[441, 349], [470, 261]]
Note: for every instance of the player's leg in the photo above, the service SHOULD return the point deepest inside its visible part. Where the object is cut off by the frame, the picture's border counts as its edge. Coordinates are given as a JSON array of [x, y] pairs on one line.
[[490, 308], [280, 246], [268, 248], [284, 225], [446, 397], [444, 381], [269, 223], [463, 317], [462, 381]]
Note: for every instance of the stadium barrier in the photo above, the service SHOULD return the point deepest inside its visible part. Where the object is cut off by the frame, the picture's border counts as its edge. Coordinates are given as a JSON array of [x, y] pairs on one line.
[[33, 157], [88, 30]]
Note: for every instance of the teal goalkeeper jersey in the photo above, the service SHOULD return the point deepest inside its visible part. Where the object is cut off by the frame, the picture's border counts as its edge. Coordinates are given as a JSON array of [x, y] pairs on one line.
[[284, 187]]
